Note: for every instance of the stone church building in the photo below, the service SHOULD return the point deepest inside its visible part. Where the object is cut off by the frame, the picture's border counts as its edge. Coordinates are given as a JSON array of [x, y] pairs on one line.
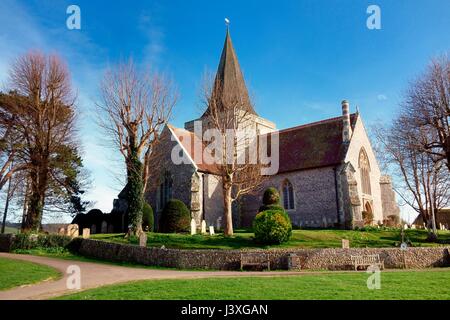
[[328, 173]]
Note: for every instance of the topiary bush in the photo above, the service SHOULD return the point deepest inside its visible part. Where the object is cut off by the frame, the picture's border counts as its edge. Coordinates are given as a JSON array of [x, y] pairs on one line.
[[175, 217], [265, 207], [271, 200], [271, 196], [147, 217], [272, 227]]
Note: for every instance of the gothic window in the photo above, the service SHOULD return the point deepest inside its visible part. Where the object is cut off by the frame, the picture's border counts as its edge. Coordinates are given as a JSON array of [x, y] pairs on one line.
[[288, 195], [364, 169], [165, 190]]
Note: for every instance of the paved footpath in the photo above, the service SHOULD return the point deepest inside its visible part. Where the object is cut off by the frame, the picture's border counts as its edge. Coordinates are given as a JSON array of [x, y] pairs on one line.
[[99, 274]]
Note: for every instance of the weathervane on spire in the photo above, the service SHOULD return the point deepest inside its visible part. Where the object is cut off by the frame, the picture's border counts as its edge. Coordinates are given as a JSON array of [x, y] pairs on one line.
[[227, 22]]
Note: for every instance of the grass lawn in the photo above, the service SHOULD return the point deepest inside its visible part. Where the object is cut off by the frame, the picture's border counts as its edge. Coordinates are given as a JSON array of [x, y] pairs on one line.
[[300, 239], [15, 273], [429, 284], [10, 230]]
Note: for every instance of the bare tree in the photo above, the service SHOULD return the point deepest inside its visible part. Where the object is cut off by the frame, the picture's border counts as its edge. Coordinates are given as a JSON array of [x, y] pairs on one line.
[[422, 181], [234, 147], [427, 105], [135, 106], [41, 111]]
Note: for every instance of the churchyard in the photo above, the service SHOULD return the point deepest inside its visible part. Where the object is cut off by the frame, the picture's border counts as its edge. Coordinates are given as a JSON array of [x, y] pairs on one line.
[[301, 238]]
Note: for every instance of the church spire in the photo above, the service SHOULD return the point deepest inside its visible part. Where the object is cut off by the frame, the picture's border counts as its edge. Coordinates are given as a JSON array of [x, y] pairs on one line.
[[229, 77]]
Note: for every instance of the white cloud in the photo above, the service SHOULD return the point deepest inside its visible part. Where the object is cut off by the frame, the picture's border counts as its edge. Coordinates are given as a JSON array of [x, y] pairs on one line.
[[382, 97]]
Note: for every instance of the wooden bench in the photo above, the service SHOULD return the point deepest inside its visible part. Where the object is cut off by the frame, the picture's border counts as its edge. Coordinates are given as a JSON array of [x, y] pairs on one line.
[[255, 259], [368, 260]]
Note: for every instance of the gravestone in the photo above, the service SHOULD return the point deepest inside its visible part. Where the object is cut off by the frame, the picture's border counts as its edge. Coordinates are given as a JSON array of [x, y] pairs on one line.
[[405, 227], [345, 244], [203, 227], [211, 230], [86, 233], [193, 227], [93, 229], [62, 231], [143, 239], [104, 227], [413, 227], [72, 230]]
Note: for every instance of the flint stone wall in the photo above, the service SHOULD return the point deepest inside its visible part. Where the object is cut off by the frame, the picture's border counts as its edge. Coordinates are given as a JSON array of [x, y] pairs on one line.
[[307, 259]]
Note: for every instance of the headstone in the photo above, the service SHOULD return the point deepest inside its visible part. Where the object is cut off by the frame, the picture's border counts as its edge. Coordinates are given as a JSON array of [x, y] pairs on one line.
[[405, 227], [72, 230], [211, 230], [413, 227], [62, 231], [93, 229], [203, 227], [345, 244], [86, 233], [104, 227], [143, 239], [193, 227]]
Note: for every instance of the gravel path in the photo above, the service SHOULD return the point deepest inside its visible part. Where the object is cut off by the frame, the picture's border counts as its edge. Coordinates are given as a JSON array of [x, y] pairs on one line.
[[99, 274]]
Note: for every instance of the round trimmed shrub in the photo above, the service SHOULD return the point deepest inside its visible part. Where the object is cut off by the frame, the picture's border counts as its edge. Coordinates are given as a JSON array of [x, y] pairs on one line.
[[265, 207], [175, 217], [271, 196], [147, 217], [272, 227]]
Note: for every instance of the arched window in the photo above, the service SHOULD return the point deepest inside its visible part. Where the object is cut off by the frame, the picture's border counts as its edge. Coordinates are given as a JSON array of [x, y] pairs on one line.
[[364, 169], [165, 190], [288, 195]]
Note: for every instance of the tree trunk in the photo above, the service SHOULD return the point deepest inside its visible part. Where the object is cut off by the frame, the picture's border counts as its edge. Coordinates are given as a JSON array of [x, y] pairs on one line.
[[8, 197], [227, 214], [135, 196], [38, 181]]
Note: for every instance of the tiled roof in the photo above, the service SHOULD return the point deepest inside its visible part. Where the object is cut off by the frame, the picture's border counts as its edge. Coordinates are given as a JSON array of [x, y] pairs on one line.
[[313, 145], [189, 145]]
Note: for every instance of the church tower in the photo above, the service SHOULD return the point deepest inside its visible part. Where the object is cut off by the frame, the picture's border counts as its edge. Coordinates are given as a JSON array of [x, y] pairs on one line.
[[229, 85]]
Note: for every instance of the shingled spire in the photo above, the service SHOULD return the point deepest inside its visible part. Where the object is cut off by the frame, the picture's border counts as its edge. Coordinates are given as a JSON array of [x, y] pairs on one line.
[[229, 81]]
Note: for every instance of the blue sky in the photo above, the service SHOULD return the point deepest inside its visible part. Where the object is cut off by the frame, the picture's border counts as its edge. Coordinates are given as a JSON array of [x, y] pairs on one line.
[[299, 58]]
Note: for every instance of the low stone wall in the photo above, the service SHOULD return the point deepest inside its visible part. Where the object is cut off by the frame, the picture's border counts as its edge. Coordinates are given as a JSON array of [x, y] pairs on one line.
[[308, 259]]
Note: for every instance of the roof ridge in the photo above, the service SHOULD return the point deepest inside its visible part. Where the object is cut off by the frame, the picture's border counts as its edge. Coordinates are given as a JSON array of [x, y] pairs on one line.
[[313, 123]]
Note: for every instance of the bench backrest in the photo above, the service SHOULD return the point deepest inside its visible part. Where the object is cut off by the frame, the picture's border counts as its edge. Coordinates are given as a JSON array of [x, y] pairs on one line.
[[366, 259], [254, 257]]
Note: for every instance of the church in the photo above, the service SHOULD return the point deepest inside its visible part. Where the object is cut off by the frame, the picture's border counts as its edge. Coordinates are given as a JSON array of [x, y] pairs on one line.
[[328, 174]]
